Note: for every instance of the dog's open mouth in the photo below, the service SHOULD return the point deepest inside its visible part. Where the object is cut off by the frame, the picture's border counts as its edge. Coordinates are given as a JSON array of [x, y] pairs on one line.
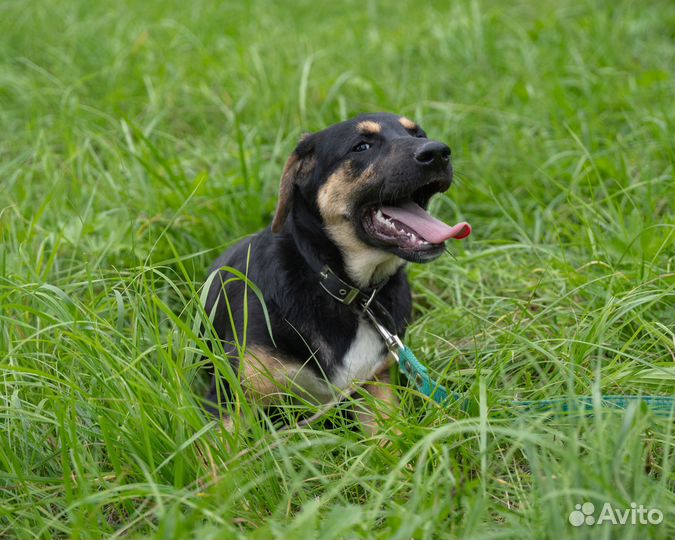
[[406, 225]]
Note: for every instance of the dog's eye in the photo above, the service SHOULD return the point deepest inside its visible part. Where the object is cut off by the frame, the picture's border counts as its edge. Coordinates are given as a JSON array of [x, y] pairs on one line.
[[361, 147]]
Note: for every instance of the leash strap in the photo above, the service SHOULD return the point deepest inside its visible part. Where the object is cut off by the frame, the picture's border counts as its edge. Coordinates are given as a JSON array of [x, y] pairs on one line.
[[417, 372], [659, 405]]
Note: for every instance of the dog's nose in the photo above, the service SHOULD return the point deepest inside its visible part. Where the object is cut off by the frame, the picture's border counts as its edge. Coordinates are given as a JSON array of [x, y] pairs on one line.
[[433, 153]]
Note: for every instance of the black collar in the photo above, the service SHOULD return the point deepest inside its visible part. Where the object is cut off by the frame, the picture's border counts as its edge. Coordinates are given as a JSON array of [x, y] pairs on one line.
[[362, 302], [344, 292]]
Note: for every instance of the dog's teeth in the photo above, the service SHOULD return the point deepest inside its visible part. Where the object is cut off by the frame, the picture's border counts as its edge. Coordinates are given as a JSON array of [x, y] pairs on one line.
[[394, 227], [384, 220]]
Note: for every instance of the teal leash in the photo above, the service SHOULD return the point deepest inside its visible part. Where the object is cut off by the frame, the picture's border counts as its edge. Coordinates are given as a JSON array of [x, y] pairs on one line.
[[659, 405], [410, 366], [417, 372]]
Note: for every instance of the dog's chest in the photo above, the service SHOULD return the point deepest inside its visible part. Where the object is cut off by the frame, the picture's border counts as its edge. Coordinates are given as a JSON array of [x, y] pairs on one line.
[[364, 357]]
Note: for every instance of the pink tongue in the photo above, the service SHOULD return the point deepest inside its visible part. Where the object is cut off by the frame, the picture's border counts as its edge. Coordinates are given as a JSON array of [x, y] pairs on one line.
[[426, 226]]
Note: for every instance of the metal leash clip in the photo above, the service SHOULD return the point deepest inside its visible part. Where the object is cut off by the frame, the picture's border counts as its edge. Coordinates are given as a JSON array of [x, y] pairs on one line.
[[392, 341]]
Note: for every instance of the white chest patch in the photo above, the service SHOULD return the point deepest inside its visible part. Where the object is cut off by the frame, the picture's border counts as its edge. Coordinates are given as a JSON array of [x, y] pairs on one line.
[[365, 356]]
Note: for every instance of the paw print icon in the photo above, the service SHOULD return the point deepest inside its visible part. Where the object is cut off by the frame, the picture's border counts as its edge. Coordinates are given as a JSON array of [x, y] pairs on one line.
[[582, 514]]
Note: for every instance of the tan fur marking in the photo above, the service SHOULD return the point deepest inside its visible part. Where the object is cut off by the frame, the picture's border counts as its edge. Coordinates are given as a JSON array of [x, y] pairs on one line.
[[264, 377], [386, 403], [294, 168], [368, 127], [365, 264], [407, 123], [333, 198], [228, 424]]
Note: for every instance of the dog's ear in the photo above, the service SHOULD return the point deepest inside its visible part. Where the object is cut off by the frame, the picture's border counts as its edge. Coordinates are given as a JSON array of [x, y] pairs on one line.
[[297, 171]]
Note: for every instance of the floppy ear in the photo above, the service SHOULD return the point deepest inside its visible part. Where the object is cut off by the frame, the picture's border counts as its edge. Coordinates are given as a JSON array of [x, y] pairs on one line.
[[297, 169]]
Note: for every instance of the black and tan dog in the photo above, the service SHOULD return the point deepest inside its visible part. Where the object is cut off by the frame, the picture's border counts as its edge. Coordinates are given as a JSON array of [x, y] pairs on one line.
[[351, 212]]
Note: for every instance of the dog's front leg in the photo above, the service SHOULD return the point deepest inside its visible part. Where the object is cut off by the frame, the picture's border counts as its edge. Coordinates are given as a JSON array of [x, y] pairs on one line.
[[383, 405], [265, 379]]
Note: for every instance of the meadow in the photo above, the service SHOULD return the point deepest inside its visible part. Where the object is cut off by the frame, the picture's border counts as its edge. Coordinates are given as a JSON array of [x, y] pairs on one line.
[[140, 139]]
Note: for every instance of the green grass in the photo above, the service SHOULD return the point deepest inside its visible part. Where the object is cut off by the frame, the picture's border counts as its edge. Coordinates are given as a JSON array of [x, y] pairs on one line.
[[139, 139]]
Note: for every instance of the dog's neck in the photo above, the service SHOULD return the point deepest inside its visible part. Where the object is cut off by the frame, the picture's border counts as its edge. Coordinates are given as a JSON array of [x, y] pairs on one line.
[[363, 265]]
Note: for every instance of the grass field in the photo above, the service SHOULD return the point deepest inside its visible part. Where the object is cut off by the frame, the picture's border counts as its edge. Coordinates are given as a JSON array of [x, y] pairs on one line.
[[139, 139]]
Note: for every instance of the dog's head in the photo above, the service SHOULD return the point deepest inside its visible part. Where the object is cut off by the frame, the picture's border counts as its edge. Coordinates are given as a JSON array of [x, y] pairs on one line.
[[369, 181]]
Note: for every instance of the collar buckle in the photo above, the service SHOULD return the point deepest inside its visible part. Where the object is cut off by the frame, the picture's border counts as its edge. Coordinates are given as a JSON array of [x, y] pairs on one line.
[[338, 289]]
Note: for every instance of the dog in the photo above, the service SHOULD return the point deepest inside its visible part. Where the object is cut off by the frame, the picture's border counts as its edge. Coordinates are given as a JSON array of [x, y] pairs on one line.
[[351, 213]]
